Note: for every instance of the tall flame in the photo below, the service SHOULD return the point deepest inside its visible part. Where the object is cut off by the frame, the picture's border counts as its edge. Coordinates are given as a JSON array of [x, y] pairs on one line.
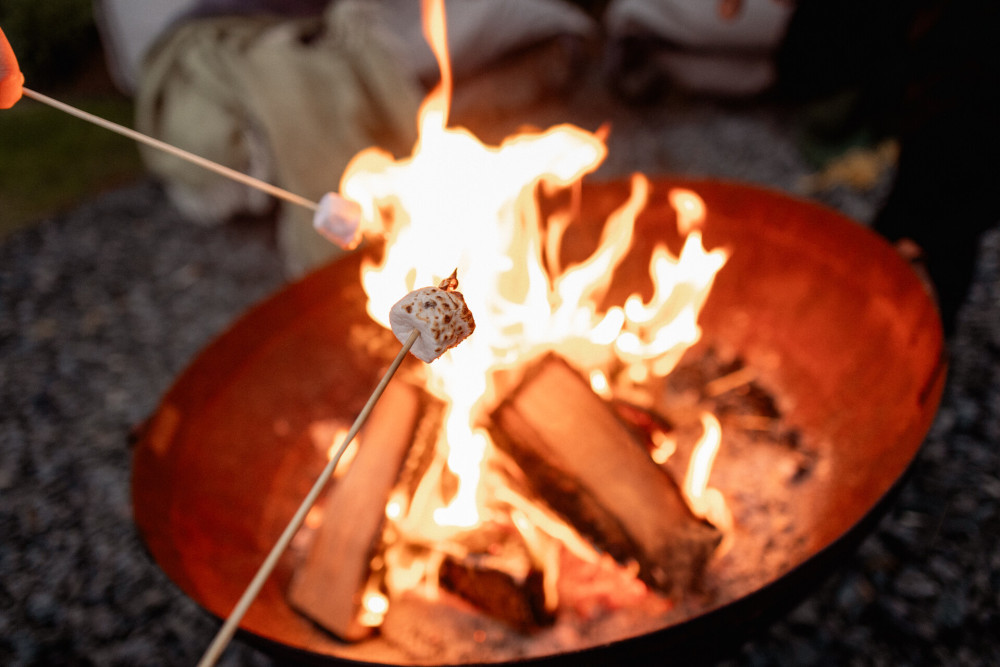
[[436, 33]]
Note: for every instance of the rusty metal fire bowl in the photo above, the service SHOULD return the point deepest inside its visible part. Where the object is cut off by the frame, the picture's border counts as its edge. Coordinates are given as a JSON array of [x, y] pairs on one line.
[[822, 307]]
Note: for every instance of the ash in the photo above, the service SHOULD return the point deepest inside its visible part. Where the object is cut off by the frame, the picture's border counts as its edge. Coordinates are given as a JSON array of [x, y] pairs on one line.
[[767, 470], [102, 306]]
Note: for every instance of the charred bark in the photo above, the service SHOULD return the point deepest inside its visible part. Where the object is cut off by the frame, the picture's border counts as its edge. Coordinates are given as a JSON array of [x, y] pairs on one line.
[[588, 466]]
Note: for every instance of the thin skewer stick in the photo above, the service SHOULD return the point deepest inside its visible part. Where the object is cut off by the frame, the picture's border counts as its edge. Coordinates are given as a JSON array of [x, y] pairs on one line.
[[174, 150], [228, 628]]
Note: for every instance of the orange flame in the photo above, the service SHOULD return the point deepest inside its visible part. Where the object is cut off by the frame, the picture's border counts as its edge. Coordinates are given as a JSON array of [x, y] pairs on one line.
[[435, 29], [707, 502]]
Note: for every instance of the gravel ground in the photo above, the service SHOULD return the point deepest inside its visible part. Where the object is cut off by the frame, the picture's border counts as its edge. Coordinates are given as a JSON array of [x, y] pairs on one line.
[[101, 307]]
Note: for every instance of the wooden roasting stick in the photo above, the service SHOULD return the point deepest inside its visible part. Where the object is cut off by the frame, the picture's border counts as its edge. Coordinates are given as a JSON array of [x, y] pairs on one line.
[[428, 322], [228, 628], [173, 150], [336, 218]]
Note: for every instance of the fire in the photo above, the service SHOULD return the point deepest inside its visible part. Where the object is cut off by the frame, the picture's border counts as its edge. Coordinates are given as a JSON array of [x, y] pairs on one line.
[[374, 606], [706, 501], [456, 202]]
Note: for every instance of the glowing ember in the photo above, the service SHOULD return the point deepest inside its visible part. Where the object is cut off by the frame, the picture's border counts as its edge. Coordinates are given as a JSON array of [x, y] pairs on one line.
[[665, 446], [459, 203], [374, 606]]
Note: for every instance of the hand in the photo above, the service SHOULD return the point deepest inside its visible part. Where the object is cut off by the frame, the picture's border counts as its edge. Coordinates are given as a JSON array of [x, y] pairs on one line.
[[11, 79]]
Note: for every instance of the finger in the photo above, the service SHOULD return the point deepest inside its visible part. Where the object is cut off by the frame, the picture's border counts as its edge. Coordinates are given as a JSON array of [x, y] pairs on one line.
[[11, 79]]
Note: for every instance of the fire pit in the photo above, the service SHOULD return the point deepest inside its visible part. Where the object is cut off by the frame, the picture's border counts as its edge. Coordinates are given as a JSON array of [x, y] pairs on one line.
[[820, 311]]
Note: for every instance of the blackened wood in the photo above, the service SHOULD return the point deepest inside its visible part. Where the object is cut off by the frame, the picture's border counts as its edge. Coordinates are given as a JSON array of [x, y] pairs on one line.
[[588, 467], [518, 601]]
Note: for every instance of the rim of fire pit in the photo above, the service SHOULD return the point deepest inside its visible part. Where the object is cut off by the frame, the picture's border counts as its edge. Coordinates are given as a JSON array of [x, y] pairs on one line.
[[206, 471]]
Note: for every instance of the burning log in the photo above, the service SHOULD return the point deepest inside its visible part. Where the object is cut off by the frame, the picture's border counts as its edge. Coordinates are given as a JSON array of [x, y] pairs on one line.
[[500, 578], [588, 467], [328, 585]]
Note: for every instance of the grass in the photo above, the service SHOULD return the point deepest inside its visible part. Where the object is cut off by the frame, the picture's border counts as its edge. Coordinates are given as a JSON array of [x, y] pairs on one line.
[[50, 161]]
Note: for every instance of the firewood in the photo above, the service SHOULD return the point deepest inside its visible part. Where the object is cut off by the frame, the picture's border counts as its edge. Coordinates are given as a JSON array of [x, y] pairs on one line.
[[499, 576], [590, 468], [327, 586]]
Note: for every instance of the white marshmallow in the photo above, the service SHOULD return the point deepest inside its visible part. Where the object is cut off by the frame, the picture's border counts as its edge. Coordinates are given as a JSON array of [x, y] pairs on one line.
[[438, 313], [339, 220]]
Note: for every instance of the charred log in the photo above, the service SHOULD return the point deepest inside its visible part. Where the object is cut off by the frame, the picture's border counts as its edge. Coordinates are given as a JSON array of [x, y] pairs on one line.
[[499, 577], [590, 468]]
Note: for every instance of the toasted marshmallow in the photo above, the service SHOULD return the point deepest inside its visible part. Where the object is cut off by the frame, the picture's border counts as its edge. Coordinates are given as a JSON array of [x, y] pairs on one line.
[[339, 220], [438, 313]]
